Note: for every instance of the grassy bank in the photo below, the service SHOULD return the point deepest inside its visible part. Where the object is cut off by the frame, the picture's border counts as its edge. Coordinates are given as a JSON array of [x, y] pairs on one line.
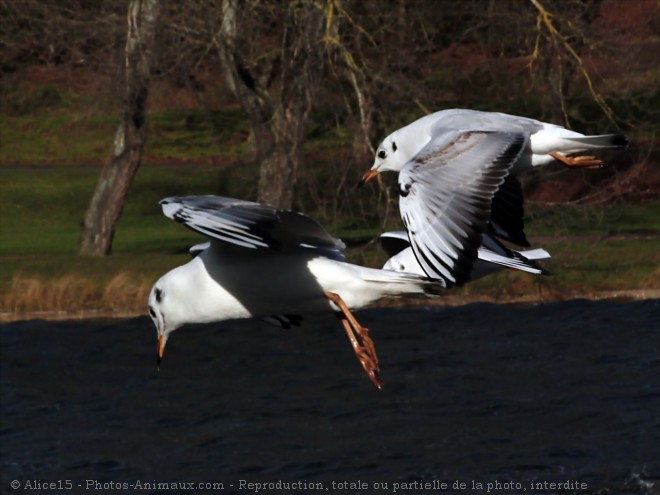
[[594, 248], [46, 128], [121, 282], [53, 125]]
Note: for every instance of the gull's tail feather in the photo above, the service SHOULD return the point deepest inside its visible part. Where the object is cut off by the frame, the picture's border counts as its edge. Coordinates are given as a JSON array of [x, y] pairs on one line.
[[602, 141], [517, 260], [402, 283], [432, 287]]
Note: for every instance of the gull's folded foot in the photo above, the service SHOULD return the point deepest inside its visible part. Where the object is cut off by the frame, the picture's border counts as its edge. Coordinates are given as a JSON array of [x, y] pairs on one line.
[[577, 161], [360, 340], [363, 333], [364, 350]]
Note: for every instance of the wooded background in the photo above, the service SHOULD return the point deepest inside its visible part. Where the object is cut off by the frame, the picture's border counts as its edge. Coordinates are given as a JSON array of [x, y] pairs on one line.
[[347, 71]]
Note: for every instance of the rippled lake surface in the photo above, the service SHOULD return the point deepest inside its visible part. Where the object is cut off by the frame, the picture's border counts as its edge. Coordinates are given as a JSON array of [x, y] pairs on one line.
[[476, 394]]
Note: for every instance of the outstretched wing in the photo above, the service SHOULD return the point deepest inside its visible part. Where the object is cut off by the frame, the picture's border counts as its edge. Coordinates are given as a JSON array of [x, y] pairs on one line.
[[446, 194], [251, 225]]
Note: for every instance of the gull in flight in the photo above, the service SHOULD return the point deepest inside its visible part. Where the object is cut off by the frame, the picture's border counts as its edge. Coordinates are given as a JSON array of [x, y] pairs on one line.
[[273, 264], [492, 256], [456, 180]]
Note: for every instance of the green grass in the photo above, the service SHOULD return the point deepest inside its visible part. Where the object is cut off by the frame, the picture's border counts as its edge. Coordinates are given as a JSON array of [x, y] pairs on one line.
[[46, 125], [582, 267], [197, 134], [567, 220], [68, 138], [53, 139], [42, 210]]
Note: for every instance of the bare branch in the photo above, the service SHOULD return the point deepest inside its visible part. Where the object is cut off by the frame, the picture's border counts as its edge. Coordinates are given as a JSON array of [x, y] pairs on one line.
[[545, 19]]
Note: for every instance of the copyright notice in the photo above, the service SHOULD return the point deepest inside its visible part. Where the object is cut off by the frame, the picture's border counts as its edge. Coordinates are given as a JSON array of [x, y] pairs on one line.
[[280, 486]]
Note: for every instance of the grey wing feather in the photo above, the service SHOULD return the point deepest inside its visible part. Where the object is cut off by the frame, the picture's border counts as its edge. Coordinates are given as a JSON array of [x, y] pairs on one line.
[[198, 248], [446, 193], [251, 225], [475, 120]]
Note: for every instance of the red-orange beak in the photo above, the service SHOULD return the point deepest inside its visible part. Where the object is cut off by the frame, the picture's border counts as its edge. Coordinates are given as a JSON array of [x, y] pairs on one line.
[[368, 176], [161, 349]]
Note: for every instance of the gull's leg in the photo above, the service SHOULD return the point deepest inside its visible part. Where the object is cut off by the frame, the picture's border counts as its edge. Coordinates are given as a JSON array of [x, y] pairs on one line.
[[369, 363], [356, 328], [577, 161], [358, 335]]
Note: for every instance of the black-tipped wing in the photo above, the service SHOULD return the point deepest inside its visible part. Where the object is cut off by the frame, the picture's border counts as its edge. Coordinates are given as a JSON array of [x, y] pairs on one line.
[[507, 212], [446, 193], [493, 251], [251, 225]]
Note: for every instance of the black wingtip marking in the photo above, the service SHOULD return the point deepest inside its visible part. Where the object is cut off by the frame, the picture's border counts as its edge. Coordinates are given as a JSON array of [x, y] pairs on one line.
[[620, 140]]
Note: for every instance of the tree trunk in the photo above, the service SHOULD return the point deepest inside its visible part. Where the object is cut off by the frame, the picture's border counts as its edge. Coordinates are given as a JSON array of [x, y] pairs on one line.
[[119, 169], [277, 112], [281, 157]]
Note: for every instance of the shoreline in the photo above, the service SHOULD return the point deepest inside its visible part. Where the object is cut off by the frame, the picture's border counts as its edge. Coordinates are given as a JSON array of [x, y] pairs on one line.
[[443, 301]]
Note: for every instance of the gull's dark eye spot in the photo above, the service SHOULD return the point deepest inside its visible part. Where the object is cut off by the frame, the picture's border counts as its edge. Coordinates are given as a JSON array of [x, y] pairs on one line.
[[381, 154], [159, 295], [152, 312], [393, 146]]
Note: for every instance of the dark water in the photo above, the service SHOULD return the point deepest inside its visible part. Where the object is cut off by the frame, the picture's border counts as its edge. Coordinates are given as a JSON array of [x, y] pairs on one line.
[[476, 394]]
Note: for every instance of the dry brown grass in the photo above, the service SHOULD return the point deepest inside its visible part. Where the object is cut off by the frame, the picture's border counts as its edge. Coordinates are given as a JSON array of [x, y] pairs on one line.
[[29, 294], [124, 292], [652, 280]]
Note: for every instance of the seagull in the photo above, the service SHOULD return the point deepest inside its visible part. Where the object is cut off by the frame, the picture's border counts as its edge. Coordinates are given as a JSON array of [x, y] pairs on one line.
[[457, 180], [274, 264], [492, 255]]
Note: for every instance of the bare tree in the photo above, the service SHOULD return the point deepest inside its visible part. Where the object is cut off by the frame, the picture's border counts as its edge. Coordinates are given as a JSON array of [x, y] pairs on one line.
[[119, 169], [565, 58], [348, 70], [275, 87]]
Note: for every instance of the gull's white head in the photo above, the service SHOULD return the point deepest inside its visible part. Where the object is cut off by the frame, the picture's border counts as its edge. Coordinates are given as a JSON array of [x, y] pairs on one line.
[[404, 261], [399, 148], [189, 294], [158, 317], [389, 158], [392, 153], [167, 307]]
